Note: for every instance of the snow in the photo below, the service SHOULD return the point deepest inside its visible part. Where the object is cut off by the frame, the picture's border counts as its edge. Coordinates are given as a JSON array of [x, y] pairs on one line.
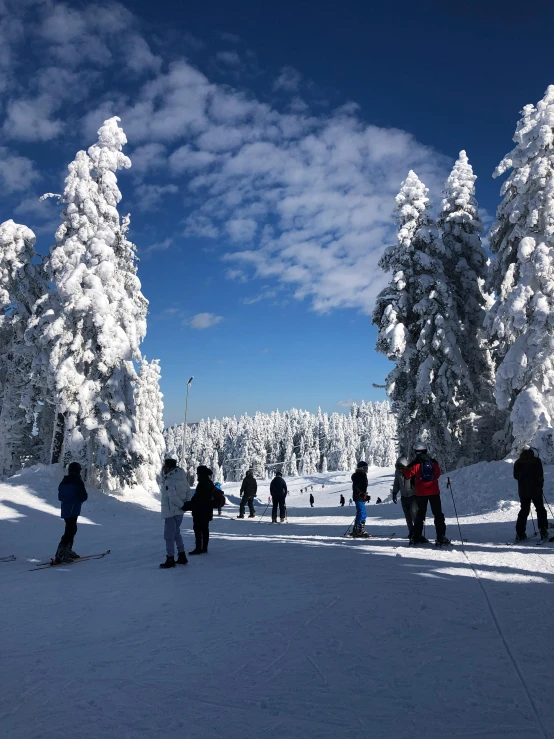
[[281, 630]]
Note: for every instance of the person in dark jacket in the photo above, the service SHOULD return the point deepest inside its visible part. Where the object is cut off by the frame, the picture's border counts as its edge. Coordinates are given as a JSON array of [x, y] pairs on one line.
[[202, 508], [426, 472], [72, 494], [312, 500], [530, 481], [278, 490], [408, 496], [248, 491], [359, 493], [342, 500]]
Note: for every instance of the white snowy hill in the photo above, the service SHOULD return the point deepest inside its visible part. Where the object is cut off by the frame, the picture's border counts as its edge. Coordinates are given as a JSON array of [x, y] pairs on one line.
[[281, 631]]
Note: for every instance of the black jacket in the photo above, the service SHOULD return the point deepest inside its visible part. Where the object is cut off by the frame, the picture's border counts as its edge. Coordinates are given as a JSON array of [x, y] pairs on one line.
[[359, 486], [202, 503], [529, 474], [249, 486], [278, 488]]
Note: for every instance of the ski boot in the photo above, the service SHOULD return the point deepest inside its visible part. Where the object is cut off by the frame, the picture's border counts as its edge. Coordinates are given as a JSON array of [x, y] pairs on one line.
[[520, 537], [169, 562], [240, 515], [544, 535], [442, 541], [74, 555], [63, 555], [282, 520], [195, 551], [273, 520], [182, 558], [252, 515]]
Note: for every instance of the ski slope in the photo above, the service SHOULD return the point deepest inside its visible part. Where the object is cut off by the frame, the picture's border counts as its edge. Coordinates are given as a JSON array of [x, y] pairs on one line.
[[282, 631]]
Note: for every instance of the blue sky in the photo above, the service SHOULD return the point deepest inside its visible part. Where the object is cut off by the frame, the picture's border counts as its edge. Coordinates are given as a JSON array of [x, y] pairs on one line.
[[268, 141]]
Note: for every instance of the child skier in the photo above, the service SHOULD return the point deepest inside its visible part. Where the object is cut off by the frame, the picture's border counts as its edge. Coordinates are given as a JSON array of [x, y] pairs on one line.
[[72, 494]]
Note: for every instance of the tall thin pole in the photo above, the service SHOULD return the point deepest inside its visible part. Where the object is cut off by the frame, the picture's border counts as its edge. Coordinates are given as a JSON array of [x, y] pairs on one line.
[[185, 426]]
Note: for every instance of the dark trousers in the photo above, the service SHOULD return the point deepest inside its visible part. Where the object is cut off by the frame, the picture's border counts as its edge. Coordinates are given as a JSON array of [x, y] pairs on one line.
[[243, 502], [201, 529], [409, 506], [278, 501], [69, 533], [542, 519], [436, 508]]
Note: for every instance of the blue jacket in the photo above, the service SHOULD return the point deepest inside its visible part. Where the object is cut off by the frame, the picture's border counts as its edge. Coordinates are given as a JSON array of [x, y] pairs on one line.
[[278, 488], [72, 494]]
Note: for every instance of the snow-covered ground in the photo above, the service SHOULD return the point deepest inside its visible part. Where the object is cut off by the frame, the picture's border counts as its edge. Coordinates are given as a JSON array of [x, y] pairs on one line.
[[281, 631]]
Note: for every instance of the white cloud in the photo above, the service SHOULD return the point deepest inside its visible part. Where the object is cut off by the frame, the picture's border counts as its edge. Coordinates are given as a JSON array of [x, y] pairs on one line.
[[204, 320], [231, 58], [157, 246], [16, 173], [150, 196], [139, 55], [29, 120], [148, 158], [346, 403], [241, 229], [288, 80]]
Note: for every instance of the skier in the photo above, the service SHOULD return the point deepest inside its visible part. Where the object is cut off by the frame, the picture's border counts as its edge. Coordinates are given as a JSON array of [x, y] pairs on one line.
[[312, 500], [426, 472], [71, 494], [359, 493], [219, 497], [202, 507], [278, 490], [408, 496], [342, 500], [350, 501], [175, 492], [530, 480], [248, 490]]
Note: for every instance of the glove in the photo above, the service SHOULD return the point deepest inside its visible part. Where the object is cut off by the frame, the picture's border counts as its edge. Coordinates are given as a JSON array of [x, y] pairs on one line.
[[395, 498]]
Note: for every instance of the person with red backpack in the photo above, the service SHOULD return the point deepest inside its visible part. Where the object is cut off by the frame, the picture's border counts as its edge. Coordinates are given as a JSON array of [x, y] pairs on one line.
[[426, 472]]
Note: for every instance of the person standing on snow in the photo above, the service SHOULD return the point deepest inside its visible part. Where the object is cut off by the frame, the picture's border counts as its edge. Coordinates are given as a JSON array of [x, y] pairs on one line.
[[312, 500], [278, 490], [175, 492], [248, 491], [407, 492], [359, 493], [71, 494], [426, 472], [202, 507], [342, 500], [530, 481], [219, 497]]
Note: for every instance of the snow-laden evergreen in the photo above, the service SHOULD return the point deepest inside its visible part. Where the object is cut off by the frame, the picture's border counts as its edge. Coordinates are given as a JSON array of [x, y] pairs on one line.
[[521, 322], [21, 284], [295, 442], [90, 325], [419, 331], [149, 424]]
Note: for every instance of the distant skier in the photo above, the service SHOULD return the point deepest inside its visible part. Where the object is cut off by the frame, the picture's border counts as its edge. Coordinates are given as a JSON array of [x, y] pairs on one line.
[[312, 500], [202, 507], [342, 500], [219, 497], [72, 494], [350, 501], [278, 490], [359, 493], [408, 497], [175, 492], [248, 491], [426, 472], [530, 481]]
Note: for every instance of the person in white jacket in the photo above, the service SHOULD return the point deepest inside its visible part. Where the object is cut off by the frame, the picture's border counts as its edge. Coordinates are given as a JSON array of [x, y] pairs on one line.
[[175, 492]]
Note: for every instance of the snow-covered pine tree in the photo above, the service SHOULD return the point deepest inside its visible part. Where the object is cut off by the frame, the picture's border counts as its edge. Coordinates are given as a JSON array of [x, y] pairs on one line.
[[90, 325], [149, 424], [22, 400], [419, 329], [521, 322]]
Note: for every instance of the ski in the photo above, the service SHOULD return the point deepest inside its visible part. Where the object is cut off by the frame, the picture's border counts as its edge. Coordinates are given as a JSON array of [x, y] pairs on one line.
[[9, 558], [85, 558], [373, 536]]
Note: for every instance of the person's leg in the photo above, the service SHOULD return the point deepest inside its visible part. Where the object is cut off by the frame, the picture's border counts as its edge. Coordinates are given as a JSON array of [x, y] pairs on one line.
[[197, 528], [420, 517], [542, 517], [274, 509], [69, 533], [359, 511], [282, 508], [251, 506], [205, 536], [178, 538], [521, 523], [170, 532], [436, 508], [407, 508], [242, 506]]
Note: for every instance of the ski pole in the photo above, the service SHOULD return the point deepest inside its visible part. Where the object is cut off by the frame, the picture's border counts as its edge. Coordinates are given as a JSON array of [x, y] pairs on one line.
[[449, 485], [548, 504], [348, 529], [532, 519], [263, 514]]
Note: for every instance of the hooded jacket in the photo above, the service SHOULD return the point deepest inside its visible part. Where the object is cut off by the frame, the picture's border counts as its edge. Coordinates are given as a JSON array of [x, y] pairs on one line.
[[249, 486], [359, 486], [529, 474], [72, 494], [175, 492], [278, 488], [414, 470], [401, 484], [202, 503]]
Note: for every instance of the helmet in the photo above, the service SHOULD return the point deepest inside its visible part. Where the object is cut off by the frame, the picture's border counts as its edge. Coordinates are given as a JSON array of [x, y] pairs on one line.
[[362, 466], [420, 446], [402, 462]]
